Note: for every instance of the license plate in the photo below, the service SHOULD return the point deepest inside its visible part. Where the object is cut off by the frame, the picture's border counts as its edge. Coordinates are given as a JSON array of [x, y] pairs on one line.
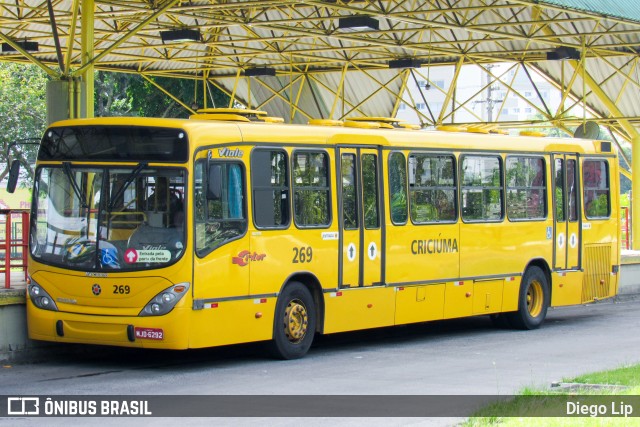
[[149, 334]]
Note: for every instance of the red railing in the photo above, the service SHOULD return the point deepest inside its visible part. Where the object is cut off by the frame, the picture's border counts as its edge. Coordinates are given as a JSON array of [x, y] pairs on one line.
[[15, 242], [625, 229]]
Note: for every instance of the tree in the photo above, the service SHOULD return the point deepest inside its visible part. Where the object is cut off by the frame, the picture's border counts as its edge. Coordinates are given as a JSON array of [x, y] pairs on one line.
[[23, 114], [625, 183], [548, 131], [149, 101], [111, 97], [23, 106], [119, 94]]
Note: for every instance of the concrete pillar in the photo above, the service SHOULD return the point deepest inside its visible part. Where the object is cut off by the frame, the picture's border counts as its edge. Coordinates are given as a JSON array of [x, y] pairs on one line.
[[58, 102]]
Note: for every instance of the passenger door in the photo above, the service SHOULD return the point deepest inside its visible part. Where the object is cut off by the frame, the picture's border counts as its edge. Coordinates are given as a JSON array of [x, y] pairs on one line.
[[220, 227], [360, 217], [567, 229]]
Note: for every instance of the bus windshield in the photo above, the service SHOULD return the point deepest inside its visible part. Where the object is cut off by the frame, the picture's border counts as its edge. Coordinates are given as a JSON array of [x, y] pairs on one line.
[[108, 218]]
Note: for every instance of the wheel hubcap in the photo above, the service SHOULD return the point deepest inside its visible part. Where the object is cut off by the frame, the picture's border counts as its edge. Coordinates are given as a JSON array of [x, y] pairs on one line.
[[296, 321], [534, 298]]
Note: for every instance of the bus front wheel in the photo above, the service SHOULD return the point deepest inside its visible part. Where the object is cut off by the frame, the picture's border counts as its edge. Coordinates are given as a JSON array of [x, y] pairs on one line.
[[294, 323], [533, 300]]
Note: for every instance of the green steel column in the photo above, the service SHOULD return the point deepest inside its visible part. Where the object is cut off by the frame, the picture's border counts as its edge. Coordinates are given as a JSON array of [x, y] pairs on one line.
[[87, 45], [635, 193]]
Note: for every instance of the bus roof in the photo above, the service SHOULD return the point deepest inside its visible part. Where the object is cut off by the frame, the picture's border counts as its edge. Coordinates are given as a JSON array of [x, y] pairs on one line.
[[207, 132]]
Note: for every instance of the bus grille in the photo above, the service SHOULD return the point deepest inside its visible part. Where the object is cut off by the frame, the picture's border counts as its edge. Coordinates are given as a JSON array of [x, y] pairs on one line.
[[597, 272]]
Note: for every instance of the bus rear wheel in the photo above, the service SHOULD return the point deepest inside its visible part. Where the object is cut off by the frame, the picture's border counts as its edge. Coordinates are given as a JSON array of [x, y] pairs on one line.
[[533, 300], [294, 323]]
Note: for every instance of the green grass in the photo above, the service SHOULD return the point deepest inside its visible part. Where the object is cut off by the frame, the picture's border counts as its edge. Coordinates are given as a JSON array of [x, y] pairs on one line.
[[626, 375], [535, 407]]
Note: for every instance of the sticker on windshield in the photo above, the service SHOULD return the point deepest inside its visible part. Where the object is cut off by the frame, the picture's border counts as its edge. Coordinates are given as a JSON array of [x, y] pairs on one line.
[[132, 256], [108, 255]]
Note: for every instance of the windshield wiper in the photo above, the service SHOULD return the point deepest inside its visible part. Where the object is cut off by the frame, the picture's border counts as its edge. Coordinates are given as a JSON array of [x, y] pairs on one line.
[[66, 166], [132, 176]]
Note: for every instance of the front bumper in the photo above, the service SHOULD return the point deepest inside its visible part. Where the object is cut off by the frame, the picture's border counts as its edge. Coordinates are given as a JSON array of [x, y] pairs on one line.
[[59, 326]]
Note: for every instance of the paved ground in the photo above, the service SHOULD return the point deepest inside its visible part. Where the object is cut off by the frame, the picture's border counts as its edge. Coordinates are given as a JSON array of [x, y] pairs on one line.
[[466, 357]]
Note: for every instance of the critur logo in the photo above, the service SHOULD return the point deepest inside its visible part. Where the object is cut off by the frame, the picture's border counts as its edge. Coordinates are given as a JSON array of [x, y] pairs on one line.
[[245, 257]]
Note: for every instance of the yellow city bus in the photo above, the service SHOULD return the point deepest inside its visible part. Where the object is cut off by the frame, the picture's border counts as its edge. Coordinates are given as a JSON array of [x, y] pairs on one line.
[[227, 228]]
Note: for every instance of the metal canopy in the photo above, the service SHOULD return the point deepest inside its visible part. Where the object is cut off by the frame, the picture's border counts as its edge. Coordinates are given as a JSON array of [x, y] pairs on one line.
[[330, 59], [318, 64]]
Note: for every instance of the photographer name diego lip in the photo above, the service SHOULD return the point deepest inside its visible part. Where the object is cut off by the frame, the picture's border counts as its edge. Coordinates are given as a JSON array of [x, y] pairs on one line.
[[600, 410]]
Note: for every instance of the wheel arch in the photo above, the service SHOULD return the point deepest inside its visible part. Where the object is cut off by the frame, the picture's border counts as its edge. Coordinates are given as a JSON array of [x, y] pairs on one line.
[[533, 299], [544, 266], [311, 282]]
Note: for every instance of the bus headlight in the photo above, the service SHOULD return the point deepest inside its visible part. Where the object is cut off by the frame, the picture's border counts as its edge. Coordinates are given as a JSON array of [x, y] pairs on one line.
[[165, 300], [40, 297]]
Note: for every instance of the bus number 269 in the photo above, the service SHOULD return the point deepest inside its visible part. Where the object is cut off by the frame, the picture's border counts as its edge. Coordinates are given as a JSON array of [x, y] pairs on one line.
[[302, 255]]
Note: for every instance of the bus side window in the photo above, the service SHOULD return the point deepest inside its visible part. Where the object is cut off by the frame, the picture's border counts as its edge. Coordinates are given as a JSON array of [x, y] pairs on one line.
[[559, 187], [370, 191], [349, 195], [526, 188], [219, 204], [432, 188], [311, 194], [398, 188], [572, 189], [270, 185], [482, 188], [595, 176]]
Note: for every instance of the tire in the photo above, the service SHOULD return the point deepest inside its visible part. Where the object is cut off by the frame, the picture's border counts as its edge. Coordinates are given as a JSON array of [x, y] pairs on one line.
[[533, 300], [294, 323]]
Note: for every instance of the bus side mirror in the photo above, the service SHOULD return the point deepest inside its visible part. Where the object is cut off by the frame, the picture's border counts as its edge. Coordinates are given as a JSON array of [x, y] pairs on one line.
[[214, 184], [14, 174]]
